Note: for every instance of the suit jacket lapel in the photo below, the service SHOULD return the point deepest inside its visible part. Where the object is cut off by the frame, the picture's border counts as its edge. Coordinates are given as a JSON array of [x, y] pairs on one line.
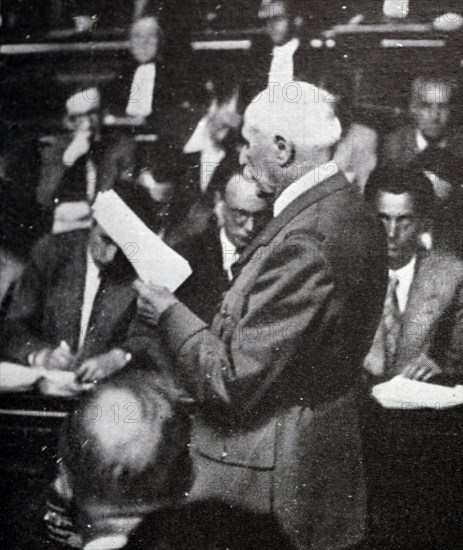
[[422, 307], [72, 295], [313, 195]]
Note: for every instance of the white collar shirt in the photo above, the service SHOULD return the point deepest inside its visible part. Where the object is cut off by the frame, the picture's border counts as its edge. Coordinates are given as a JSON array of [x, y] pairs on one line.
[[92, 284], [303, 184], [229, 253], [142, 90], [282, 65]]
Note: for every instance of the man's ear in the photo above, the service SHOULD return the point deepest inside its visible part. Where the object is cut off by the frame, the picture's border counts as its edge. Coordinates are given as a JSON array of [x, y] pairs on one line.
[[285, 151]]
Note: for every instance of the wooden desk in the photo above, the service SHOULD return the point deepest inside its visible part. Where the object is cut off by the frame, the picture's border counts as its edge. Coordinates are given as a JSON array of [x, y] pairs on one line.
[[29, 427]]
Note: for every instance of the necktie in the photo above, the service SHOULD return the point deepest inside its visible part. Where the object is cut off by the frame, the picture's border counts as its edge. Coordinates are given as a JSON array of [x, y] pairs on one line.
[[392, 320]]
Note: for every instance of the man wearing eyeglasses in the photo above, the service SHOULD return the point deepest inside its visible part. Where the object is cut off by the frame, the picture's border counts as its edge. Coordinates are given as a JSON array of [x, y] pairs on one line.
[[239, 216]]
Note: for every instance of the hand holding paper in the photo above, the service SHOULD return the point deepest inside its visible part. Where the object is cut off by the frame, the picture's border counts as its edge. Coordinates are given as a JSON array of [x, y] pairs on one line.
[[151, 258], [152, 301]]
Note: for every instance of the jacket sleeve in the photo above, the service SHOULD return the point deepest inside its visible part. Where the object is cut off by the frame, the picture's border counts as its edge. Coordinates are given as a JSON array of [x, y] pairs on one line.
[[237, 361], [454, 360], [24, 318]]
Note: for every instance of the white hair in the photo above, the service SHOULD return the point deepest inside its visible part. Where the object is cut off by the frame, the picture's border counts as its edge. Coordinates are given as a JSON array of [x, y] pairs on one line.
[[299, 112]]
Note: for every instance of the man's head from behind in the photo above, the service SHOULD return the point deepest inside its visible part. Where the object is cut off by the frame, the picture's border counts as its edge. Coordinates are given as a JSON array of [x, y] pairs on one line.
[[286, 134], [240, 211], [430, 105], [145, 38], [403, 201], [282, 19], [125, 452]]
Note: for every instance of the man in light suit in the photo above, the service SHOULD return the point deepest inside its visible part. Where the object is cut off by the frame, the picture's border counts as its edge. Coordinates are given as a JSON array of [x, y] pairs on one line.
[[425, 333], [412, 472], [274, 373]]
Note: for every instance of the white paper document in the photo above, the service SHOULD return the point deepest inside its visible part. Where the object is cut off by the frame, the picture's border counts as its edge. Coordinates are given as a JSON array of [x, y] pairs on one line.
[[403, 393], [152, 259], [14, 378]]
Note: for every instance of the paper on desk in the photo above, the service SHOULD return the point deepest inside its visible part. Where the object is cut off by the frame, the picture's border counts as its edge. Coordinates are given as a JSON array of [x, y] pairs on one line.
[[403, 393], [14, 377], [151, 258]]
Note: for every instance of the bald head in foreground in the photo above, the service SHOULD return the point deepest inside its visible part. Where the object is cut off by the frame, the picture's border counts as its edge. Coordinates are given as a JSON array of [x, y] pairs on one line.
[[274, 375]]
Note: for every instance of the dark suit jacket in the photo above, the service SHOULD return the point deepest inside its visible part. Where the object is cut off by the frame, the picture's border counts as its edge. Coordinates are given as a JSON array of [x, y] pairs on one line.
[[433, 319], [47, 303], [273, 374], [114, 157], [203, 291], [400, 148]]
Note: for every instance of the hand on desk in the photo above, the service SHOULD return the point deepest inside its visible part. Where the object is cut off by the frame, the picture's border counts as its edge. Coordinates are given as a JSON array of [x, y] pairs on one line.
[[153, 301], [59, 358], [99, 367], [421, 368]]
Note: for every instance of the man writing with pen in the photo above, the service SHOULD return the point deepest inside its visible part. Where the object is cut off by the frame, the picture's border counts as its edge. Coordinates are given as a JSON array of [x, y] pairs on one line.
[[73, 306]]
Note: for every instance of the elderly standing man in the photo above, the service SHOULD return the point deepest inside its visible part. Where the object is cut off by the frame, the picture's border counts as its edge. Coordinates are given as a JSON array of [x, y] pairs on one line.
[[274, 375]]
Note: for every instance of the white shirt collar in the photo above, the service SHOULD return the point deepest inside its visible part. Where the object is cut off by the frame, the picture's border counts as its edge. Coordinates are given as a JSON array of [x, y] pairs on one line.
[[288, 49], [108, 542], [421, 141], [229, 253], [303, 184], [404, 275]]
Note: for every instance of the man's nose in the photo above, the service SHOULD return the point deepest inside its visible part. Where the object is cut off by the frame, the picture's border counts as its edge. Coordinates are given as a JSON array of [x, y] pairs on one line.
[[392, 229], [249, 225]]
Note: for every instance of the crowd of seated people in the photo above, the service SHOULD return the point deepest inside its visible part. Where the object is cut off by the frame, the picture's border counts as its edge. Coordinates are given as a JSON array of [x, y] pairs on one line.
[[72, 301]]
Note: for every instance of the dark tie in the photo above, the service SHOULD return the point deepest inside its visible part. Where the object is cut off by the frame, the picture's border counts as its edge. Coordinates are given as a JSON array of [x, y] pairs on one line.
[[392, 320]]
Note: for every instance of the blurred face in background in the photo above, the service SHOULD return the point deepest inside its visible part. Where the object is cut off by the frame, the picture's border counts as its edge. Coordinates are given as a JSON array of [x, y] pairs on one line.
[[241, 212], [83, 111], [144, 39], [278, 25], [431, 108]]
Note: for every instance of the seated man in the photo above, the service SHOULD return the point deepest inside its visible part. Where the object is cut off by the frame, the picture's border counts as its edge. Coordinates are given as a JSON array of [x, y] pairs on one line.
[[75, 166], [152, 82], [128, 475], [117, 469], [433, 143], [421, 332], [74, 303], [431, 129], [240, 215]]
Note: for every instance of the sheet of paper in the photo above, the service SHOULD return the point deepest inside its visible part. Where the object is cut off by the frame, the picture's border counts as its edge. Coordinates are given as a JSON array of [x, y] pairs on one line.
[[14, 377], [151, 258], [403, 393]]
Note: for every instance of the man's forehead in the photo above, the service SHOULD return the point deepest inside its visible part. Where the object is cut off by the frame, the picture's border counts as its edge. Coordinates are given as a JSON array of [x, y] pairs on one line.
[[241, 193], [271, 9], [395, 204], [145, 26], [435, 92]]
